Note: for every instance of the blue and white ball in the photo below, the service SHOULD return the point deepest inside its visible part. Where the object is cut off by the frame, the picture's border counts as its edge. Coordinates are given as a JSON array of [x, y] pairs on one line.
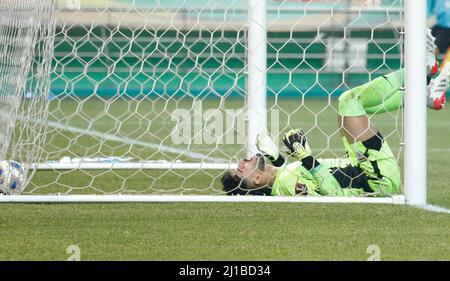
[[12, 177]]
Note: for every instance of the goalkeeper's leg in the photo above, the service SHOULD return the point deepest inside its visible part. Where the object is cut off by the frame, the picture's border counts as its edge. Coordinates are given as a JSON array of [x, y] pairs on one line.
[[378, 96], [385, 94], [365, 146]]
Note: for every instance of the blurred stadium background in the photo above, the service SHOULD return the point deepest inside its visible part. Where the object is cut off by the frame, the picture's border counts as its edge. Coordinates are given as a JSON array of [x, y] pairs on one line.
[[305, 38]]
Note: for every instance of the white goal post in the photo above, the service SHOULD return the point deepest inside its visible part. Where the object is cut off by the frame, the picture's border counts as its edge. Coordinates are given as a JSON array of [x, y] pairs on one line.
[[151, 102], [415, 113]]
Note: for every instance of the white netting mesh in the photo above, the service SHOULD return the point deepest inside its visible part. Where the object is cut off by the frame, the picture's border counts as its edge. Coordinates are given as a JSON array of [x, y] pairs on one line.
[[26, 46], [125, 73]]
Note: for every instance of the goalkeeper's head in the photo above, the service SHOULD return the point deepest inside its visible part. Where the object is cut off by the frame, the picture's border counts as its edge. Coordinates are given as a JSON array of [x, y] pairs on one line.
[[251, 177]]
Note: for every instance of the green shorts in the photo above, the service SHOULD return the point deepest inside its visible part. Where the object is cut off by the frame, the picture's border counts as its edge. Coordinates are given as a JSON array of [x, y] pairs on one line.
[[380, 167]]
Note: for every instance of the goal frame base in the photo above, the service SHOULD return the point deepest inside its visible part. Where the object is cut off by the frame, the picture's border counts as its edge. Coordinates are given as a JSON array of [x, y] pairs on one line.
[[396, 200]]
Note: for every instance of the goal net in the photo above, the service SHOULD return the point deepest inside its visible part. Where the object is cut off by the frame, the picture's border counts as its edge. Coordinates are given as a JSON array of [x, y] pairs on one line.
[[26, 46], [152, 97]]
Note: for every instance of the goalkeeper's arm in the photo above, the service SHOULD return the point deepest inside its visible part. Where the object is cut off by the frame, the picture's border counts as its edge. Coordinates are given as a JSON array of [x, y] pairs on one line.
[[267, 147], [295, 141]]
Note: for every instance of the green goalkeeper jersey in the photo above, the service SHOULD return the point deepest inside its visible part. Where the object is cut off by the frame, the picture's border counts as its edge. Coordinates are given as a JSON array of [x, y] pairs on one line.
[[364, 171], [294, 179]]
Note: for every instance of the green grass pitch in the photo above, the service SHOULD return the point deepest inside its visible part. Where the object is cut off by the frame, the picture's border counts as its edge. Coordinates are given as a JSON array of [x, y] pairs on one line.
[[232, 231]]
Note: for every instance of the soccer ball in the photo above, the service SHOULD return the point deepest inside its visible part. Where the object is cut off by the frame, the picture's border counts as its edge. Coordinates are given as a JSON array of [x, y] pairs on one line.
[[12, 177]]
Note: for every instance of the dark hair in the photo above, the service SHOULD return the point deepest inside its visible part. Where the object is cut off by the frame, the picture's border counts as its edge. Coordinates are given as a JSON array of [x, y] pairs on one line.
[[234, 185]]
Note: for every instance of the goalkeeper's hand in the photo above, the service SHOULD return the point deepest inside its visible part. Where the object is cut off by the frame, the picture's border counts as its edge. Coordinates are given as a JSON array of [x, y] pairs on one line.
[[295, 141], [267, 147]]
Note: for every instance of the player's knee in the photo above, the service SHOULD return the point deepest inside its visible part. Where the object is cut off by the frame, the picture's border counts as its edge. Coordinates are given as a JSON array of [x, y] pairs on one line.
[[344, 96], [345, 101]]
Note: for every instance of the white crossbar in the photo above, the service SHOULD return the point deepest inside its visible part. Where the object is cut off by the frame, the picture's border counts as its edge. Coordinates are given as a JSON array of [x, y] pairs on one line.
[[135, 165]]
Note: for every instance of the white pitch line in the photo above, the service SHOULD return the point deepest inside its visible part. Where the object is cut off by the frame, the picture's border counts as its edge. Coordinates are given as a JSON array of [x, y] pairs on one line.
[[155, 146], [433, 208]]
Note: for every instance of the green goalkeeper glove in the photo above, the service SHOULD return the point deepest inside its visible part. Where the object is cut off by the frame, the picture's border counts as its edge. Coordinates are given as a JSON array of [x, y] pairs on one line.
[[295, 141], [267, 147]]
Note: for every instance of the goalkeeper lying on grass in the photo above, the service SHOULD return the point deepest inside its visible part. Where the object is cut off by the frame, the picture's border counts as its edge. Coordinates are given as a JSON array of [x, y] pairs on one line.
[[370, 167]]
